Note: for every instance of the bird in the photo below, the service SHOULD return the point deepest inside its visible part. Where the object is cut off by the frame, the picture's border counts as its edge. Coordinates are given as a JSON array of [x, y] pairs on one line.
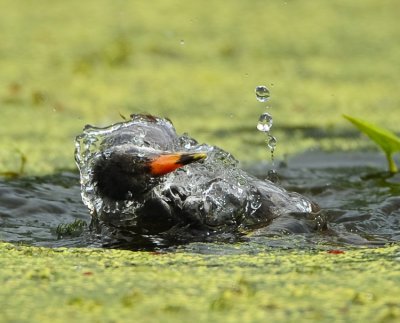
[[145, 185]]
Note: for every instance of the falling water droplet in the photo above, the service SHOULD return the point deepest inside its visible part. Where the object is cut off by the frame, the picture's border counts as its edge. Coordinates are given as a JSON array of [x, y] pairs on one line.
[[182, 42], [264, 125], [264, 122], [273, 176], [272, 143], [262, 93]]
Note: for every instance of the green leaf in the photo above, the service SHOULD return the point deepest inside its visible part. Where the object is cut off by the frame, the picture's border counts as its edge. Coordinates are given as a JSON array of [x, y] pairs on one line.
[[388, 141]]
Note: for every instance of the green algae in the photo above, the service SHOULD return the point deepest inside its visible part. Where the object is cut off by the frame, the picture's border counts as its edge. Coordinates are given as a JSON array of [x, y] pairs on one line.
[[65, 64], [60, 285], [74, 62], [73, 229]]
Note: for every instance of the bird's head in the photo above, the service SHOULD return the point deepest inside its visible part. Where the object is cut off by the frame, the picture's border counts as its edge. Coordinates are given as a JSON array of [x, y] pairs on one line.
[[125, 172]]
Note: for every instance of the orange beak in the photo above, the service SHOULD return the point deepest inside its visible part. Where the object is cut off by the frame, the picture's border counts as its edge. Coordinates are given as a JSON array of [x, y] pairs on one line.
[[166, 163]]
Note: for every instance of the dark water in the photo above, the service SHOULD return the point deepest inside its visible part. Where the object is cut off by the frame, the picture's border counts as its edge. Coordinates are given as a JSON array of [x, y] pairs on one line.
[[31, 209], [361, 201]]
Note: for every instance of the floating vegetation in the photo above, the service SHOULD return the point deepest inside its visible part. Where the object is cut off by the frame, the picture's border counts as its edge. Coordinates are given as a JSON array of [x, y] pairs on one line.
[[13, 95], [115, 52], [20, 171], [38, 97], [73, 229]]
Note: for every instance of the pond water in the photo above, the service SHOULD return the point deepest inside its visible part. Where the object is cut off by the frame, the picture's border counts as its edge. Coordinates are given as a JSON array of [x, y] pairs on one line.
[[360, 200]]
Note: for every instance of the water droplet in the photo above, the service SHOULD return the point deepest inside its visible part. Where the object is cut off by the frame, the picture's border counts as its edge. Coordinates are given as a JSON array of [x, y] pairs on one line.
[[273, 176], [262, 93], [182, 42], [264, 122], [255, 203], [272, 143]]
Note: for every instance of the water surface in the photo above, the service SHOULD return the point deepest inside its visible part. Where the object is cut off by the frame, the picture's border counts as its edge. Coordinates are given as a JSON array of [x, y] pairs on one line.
[[361, 201]]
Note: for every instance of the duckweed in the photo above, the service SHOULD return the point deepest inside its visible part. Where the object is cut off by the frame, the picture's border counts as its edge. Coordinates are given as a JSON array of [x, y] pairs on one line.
[[40, 284]]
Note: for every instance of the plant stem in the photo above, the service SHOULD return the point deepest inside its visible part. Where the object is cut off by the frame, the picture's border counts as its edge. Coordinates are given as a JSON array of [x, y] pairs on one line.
[[391, 163]]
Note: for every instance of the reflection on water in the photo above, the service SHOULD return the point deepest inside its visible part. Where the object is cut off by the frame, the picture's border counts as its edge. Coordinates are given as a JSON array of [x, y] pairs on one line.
[[361, 202]]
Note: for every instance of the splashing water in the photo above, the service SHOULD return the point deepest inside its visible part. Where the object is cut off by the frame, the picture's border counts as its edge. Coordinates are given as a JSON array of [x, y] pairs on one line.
[[262, 93], [215, 194], [265, 122], [273, 176], [94, 142], [361, 201], [272, 143]]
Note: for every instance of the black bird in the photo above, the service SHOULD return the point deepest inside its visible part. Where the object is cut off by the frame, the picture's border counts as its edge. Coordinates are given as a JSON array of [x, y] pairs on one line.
[[145, 184]]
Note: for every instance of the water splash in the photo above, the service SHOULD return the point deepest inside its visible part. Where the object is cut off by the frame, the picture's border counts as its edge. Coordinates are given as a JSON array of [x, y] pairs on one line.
[[273, 176], [264, 125], [262, 93], [265, 122], [362, 203], [95, 142], [272, 143]]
